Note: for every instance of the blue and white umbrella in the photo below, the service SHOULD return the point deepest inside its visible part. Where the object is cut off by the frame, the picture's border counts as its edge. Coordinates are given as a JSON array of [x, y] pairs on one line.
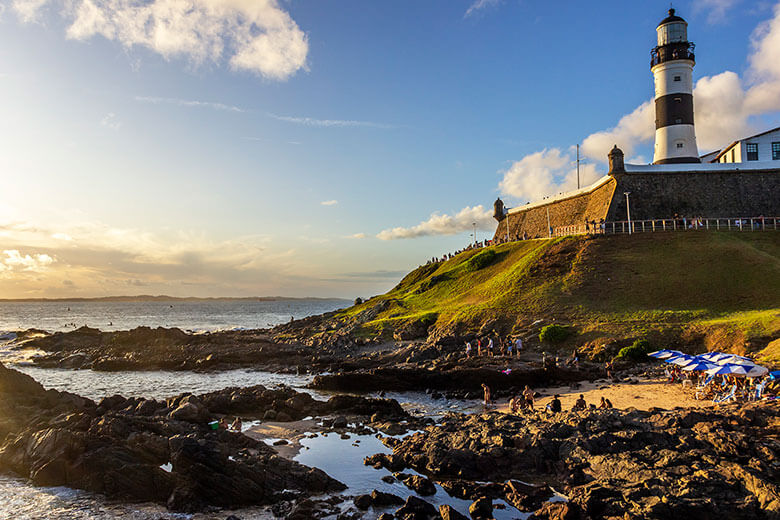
[[714, 356], [682, 360], [699, 365], [666, 354], [735, 360], [728, 369], [757, 371]]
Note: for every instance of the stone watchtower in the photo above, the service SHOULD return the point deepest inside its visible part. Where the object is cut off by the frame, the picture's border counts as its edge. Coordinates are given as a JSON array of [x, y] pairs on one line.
[[498, 210], [672, 62]]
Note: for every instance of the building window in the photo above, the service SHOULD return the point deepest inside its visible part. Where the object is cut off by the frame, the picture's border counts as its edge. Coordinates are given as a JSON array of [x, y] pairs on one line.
[[732, 155], [752, 151], [679, 145], [776, 151], [677, 78]]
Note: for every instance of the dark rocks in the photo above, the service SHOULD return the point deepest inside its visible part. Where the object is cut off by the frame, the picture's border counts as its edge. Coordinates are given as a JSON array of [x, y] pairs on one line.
[[704, 462], [481, 509], [380, 499], [362, 502], [416, 509], [422, 485], [118, 448]]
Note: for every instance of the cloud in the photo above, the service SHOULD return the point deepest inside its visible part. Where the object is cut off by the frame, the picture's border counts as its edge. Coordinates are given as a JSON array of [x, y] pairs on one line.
[[357, 236], [110, 121], [633, 128], [257, 36], [545, 173], [332, 202], [479, 5], [717, 9], [12, 260], [444, 224], [188, 103], [338, 123]]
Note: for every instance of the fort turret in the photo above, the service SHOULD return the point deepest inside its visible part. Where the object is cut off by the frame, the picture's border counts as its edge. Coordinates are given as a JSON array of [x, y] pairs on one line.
[[498, 210], [672, 62]]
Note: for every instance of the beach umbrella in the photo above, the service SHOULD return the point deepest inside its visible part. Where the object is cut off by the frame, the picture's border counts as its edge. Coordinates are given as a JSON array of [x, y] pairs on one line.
[[735, 360], [728, 369], [682, 360], [757, 371], [712, 356], [699, 365], [659, 353], [775, 374], [666, 354]]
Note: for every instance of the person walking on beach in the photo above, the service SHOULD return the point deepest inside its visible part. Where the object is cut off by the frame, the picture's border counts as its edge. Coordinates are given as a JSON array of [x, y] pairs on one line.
[[486, 391], [608, 367], [490, 347], [518, 345], [468, 349], [479, 347]]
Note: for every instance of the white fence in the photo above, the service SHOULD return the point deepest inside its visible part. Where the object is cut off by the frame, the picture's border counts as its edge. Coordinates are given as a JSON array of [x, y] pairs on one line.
[[671, 224]]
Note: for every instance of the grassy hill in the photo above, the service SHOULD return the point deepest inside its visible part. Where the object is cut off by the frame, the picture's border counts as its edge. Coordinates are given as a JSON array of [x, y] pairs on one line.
[[719, 288]]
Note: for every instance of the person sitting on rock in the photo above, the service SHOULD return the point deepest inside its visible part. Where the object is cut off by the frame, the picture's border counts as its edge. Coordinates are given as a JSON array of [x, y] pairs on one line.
[[236, 424], [223, 424], [514, 404], [580, 404], [555, 404], [528, 394]]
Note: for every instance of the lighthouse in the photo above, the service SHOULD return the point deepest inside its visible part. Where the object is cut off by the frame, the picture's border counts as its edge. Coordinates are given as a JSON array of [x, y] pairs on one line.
[[672, 62]]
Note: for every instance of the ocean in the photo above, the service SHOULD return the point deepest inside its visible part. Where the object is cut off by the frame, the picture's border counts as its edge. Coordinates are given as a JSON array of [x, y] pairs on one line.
[[194, 316]]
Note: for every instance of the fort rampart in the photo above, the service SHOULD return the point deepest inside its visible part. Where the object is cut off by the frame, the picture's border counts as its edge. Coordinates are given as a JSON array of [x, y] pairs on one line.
[[655, 192]]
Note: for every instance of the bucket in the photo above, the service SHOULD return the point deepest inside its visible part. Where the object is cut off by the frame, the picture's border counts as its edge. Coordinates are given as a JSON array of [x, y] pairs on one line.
[[214, 425]]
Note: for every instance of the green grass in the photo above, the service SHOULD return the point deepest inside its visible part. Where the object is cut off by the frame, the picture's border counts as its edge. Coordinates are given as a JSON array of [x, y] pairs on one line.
[[635, 283]]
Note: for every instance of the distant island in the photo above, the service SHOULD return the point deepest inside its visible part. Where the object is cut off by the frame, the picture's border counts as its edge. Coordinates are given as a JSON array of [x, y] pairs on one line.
[[164, 298]]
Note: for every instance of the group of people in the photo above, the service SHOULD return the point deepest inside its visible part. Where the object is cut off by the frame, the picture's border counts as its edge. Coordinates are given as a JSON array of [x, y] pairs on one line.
[[234, 426], [593, 227], [729, 387], [486, 347], [525, 402], [449, 256]]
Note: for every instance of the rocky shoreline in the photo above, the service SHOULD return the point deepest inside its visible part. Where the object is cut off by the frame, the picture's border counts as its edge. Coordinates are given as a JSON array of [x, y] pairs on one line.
[[139, 449], [612, 464]]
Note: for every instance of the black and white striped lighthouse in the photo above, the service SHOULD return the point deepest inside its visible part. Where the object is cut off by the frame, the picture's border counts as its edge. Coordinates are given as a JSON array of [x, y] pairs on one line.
[[672, 66]]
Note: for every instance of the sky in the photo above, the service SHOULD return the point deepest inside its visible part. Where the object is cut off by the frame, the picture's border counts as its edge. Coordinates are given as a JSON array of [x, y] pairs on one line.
[[325, 148]]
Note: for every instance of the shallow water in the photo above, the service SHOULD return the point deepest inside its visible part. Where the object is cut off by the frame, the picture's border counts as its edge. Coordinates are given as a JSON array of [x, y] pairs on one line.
[[157, 384], [343, 460]]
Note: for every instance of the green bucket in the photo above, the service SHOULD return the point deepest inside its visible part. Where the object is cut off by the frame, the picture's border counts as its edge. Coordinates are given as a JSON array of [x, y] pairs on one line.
[[214, 425]]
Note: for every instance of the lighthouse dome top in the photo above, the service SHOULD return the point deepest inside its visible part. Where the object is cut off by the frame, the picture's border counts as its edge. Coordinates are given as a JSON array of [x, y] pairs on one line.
[[672, 18]]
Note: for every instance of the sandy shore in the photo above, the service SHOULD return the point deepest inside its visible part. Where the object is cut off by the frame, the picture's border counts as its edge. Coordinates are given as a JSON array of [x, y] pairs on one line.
[[646, 394], [292, 432]]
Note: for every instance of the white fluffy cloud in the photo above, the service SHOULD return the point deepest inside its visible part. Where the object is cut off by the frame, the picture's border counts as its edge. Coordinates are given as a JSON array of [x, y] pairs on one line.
[[444, 224], [253, 35], [545, 173], [332, 202], [12, 261]]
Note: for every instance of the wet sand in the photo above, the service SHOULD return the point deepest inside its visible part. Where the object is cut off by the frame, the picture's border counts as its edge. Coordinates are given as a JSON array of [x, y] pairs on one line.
[[292, 432], [646, 394]]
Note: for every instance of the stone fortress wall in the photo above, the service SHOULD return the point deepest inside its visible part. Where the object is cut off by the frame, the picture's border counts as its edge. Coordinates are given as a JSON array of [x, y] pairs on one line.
[[655, 192]]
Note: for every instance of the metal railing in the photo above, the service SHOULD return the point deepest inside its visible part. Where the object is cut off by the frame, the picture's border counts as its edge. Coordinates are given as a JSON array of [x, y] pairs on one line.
[[672, 224]]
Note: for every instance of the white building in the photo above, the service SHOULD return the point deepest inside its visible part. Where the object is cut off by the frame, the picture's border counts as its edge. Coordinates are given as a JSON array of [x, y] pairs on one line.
[[760, 147]]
